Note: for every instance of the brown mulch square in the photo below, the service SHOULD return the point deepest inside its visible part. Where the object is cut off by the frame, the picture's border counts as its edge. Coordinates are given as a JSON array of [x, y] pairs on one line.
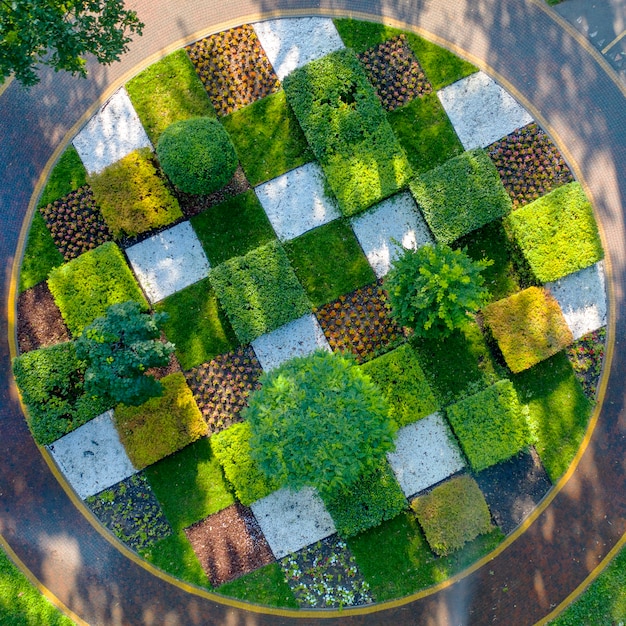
[[39, 321], [234, 68], [229, 544]]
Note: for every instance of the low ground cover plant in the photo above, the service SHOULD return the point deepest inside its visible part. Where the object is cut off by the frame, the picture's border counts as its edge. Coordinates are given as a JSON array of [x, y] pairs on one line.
[[68, 174], [587, 357], [528, 327], [491, 425], [557, 233]]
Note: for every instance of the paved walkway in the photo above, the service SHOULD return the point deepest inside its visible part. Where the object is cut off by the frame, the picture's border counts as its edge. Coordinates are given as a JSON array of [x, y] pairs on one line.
[[571, 91]]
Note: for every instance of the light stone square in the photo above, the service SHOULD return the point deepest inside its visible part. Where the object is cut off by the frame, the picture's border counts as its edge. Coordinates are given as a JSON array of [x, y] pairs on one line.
[[112, 133], [168, 261], [396, 219], [425, 454], [293, 42], [481, 111], [582, 298], [92, 458]]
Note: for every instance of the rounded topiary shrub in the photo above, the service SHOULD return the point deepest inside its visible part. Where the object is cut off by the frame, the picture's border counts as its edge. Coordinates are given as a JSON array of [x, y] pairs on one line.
[[197, 155]]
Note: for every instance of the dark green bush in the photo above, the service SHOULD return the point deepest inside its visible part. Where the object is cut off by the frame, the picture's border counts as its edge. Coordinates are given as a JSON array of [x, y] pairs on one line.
[[51, 383], [491, 425], [197, 155], [461, 195]]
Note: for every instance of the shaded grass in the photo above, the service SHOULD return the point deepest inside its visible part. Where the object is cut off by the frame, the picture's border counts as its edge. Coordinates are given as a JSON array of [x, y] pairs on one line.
[[67, 175], [41, 255]]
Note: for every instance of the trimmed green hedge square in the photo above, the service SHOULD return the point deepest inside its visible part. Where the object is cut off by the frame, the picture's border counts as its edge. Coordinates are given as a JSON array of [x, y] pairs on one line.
[[492, 425], [233, 228], [453, 514], [162, 425], [196, 324], [461, 195], [259, 291], [557, 234], [399, 376], [85, 287], [529, 327], [329, 262]]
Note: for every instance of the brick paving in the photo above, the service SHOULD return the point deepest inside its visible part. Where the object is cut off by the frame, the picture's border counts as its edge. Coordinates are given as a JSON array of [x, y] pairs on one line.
[[581, 105]]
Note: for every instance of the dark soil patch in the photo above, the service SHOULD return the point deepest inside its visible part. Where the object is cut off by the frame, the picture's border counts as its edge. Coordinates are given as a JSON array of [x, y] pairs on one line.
[[529, 164], [395, 73], [39, 321], [360, 323], [586, 356], [229, 544], [76, 223], [514, 488], [234, 68]]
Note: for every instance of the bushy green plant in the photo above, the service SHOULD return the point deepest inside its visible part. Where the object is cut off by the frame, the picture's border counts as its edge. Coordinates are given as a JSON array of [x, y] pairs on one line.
[[119, 347], [491, 425], [557, 233], [434, 289], [319, 421], [197, 155], [453, 514], [86, 286], [259, 291], [461, 195], [132, 197], [51, 383]]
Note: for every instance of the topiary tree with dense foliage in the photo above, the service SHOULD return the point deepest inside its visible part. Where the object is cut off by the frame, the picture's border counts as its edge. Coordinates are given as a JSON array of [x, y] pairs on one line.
[[435, 289], [318, 421], [197, 155], [119, 347]]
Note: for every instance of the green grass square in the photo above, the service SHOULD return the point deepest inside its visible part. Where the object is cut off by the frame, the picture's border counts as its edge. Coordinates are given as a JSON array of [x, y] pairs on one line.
[[196, 324], [268, 138], [329, 262], [68, 174], [190, 485], [166, 92], [425, 132], [233, 228], [86, 286]]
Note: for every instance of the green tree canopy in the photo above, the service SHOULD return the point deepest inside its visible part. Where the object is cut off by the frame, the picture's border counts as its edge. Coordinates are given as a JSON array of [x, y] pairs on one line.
[[318, 421], [60, 33]]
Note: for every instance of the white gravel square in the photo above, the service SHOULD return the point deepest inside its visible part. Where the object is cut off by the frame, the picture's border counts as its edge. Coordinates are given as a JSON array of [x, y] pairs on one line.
[[425, 454], [582, 298], [396, 219], [168, 261], [112, 133], [92, 457], [481, 111], [295, 202], [292, 520], [293, 42], [297, 338]]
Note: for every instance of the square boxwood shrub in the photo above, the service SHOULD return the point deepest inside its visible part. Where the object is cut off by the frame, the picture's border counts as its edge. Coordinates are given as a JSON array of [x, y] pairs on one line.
[[162, 425], [461, 195], [259, 291], [196, 324], [371, 500], [557, 233], [232, 449], [399, 376], [233, 228], [529, 327], [453, 514], [329, 262], [347, 129], [51, 383], [132, 197], [267, 138], [491, 425], [84, 288]]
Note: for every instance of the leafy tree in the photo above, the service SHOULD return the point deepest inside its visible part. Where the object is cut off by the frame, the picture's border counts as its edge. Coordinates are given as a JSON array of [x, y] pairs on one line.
[[119, 347], [60, 33], [318, 421], [435, 289]]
